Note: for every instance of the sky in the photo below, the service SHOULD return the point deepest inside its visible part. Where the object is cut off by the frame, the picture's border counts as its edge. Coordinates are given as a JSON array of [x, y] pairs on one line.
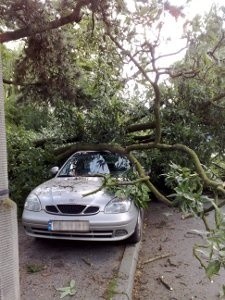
[[191, 9], [174, 29], [197, 6]]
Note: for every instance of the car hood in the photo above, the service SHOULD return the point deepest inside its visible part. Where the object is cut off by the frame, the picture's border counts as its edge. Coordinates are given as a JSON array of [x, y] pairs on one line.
[[72, 190]]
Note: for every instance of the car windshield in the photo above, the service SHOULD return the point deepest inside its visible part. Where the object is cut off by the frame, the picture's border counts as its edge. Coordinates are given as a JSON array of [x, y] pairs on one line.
[[91, 163]]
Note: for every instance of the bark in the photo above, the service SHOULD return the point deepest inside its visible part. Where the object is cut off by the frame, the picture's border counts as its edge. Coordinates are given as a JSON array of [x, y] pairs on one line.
[[64, 153], [144, 138], [198, 166], [77, 138], [74, 17], [142, 126], [152, 84], [149, 184], [42, 142]]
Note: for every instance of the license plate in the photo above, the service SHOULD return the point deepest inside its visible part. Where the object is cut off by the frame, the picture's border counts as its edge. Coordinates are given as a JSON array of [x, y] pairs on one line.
[[73, 226]]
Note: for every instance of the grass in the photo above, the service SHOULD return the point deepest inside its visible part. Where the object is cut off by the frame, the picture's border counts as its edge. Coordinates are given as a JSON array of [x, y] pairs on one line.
[[111, 289], [34, 268]]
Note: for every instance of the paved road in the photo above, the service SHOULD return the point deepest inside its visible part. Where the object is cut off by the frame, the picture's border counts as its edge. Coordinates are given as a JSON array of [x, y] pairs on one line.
[[92, 265], [166, 233]]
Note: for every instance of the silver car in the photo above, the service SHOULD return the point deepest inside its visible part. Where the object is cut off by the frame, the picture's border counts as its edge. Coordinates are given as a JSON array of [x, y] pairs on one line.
[[72, 205]]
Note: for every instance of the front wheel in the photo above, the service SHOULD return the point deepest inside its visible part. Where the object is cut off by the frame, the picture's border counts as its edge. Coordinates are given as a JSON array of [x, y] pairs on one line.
[[137, 235]]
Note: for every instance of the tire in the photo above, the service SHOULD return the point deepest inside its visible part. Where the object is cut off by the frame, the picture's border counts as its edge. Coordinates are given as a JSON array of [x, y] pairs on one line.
[[137, 234]]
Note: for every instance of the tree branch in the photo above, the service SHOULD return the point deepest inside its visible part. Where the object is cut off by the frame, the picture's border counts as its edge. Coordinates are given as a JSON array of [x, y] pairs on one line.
[[199, 169], [153, 84], [148, 183], [117, 149], [138, 127], [170, 54], [212, 53], [186, 74], [218, 97], [75, 16], [65, 152], [6, 81]]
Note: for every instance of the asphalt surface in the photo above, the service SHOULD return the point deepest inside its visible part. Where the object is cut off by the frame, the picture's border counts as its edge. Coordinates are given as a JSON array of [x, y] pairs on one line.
[[167, 269], [161, 267], [120, 271], [100, 270]]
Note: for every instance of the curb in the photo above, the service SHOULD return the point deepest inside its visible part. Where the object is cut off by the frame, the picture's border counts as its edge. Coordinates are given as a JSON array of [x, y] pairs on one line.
[[126, 273]]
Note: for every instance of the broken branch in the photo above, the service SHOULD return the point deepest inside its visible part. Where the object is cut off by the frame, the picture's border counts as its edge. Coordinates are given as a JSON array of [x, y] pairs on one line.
[[156, 258]]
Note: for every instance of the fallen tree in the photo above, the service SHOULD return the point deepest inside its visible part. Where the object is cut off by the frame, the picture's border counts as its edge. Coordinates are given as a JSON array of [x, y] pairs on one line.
[[192, 84]]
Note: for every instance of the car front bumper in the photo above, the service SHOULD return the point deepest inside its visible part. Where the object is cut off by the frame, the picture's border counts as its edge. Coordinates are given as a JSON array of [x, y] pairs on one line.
[[103, 227]]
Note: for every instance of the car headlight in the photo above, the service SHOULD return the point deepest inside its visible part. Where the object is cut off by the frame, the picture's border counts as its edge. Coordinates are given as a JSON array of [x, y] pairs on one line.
[[32, 203], [117, 205]]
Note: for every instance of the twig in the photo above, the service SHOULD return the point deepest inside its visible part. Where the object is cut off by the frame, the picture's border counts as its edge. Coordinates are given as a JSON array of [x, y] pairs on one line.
[[86, 262], [187, 216], [195, 249], [162, 280], [195, 233], [204, 219], [156, 258]]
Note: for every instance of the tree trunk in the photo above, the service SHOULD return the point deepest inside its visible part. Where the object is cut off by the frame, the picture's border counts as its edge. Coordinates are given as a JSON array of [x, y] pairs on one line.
[[9, 261]]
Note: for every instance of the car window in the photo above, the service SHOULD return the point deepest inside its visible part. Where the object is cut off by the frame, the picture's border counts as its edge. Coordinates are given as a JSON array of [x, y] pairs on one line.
[[90, 163]]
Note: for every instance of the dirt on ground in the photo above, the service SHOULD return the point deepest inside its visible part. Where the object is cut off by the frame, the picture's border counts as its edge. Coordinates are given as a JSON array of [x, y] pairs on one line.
[[176, 274], [47, 265]]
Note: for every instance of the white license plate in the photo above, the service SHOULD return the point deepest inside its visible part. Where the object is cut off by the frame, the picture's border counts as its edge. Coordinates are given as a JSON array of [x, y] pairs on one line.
[[74, 226]]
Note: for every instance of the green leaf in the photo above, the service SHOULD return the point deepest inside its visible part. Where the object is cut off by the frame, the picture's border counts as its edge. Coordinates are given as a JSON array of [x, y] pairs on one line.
[[68, 290], [63, 289], [72, 292], [72, 283], [222, 292], [213, 268], [64, 294]]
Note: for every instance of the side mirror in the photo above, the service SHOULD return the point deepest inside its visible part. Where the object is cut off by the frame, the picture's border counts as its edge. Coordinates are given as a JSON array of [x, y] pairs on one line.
[[54, 170]]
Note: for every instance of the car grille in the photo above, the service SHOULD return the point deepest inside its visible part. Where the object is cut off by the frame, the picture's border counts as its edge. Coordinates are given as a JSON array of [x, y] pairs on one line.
[[72, 209], [92, 234]]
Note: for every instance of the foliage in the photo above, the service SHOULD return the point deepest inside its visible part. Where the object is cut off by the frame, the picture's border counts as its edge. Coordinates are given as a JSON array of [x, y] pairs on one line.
[[222, 292], [56, 67], [137, 191], [64, 122], [211, 254], [34, 268], [183, 125], [9, 57], [68, 290], [188, 189], [30, 117], [218, 166], [201, 95], [189, 197], [28, 166], [111, 288], [105, 123], [47, 70]]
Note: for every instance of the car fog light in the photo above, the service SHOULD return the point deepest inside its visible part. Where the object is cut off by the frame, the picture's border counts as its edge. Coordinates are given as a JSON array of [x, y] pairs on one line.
[[120, 232]]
